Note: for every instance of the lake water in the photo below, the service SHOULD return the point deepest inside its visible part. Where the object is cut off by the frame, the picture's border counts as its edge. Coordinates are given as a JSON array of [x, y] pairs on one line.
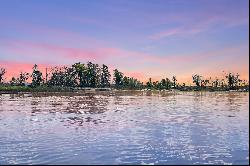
[[126, 128]]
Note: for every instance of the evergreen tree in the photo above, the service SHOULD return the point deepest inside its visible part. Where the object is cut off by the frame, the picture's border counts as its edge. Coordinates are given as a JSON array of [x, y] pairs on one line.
[[105, 76], [37, 77], [118, 78]]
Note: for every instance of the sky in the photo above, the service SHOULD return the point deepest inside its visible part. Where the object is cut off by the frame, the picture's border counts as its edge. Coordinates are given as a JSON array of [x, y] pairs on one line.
[[141, 38]]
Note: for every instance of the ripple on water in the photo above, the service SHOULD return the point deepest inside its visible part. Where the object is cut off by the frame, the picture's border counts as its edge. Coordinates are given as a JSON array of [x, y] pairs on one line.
[[183, 128]]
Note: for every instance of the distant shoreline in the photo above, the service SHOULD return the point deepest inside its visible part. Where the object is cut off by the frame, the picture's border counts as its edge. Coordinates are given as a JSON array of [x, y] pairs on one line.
[[57, 90]]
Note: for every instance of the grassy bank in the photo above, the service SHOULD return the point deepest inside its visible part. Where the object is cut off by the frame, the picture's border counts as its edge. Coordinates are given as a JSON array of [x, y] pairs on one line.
[[17, 89]]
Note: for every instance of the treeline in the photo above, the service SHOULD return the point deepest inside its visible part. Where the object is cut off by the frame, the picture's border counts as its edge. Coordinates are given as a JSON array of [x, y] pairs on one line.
[[96, 76], [77, 75]]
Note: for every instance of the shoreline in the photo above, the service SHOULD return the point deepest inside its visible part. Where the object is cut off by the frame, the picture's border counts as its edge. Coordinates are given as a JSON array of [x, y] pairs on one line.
[[111, 91]]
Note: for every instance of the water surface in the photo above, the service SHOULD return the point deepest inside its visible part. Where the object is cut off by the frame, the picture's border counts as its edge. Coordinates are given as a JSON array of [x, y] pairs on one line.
[[127, 128]]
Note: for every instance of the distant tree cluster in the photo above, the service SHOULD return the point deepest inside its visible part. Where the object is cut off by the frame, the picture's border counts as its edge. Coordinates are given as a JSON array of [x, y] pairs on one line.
[[80, 75], [21, 80], [124, 82], [95, 76], [165, 83], [230, 82]]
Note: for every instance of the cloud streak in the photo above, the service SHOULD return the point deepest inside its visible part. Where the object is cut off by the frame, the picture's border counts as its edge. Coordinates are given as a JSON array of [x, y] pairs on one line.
[[190, 62], [193, 27]]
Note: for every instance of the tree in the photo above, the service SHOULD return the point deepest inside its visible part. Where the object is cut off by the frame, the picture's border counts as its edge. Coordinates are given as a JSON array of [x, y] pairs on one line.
[[13, 81], [46, 75], [204, 82], [126, 81], [197, 79], [23, 77], [222, 83], [174, 80], [57, 77], [81, 72], [2, 73], [69, 77], [215, 83], [232, 80], [131, 83], [63, 76], [118, 78], [156, 84], [163, 84], [92, 74], [136, 84], [149, 84], [168, 83], [37, 77], [98, 76]]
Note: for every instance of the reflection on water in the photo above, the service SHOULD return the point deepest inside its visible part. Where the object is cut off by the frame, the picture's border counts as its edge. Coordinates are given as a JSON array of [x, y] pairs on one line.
[[125, 128]]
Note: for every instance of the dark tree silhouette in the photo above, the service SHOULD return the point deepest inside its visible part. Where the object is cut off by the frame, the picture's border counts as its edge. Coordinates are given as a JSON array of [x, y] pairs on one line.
[[23, 77], [149, 84], [197, 79], [81, 73], [37, 77], [174, 81], [2, 73], [118, 78], [232, 80], [105, 76]]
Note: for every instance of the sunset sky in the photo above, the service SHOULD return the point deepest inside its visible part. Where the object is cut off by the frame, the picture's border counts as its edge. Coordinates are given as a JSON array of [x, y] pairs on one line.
[[142, 38]]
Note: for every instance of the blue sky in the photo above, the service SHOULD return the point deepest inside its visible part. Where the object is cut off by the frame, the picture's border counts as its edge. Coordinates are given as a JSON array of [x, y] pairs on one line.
[[142, 38]]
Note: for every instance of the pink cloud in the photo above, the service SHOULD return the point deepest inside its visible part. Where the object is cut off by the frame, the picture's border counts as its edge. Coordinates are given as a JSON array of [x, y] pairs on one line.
[[105, 53], [44, 50], [159, 64]]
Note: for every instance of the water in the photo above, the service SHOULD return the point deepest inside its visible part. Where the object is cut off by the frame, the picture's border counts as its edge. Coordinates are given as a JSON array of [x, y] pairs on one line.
[[127, 128]]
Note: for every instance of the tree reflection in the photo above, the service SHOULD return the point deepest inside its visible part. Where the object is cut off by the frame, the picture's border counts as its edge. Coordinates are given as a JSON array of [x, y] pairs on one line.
[[85, 105]]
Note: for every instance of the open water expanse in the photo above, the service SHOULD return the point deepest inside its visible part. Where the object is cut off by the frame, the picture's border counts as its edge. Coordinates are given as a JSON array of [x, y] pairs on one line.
[[126, 128]]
